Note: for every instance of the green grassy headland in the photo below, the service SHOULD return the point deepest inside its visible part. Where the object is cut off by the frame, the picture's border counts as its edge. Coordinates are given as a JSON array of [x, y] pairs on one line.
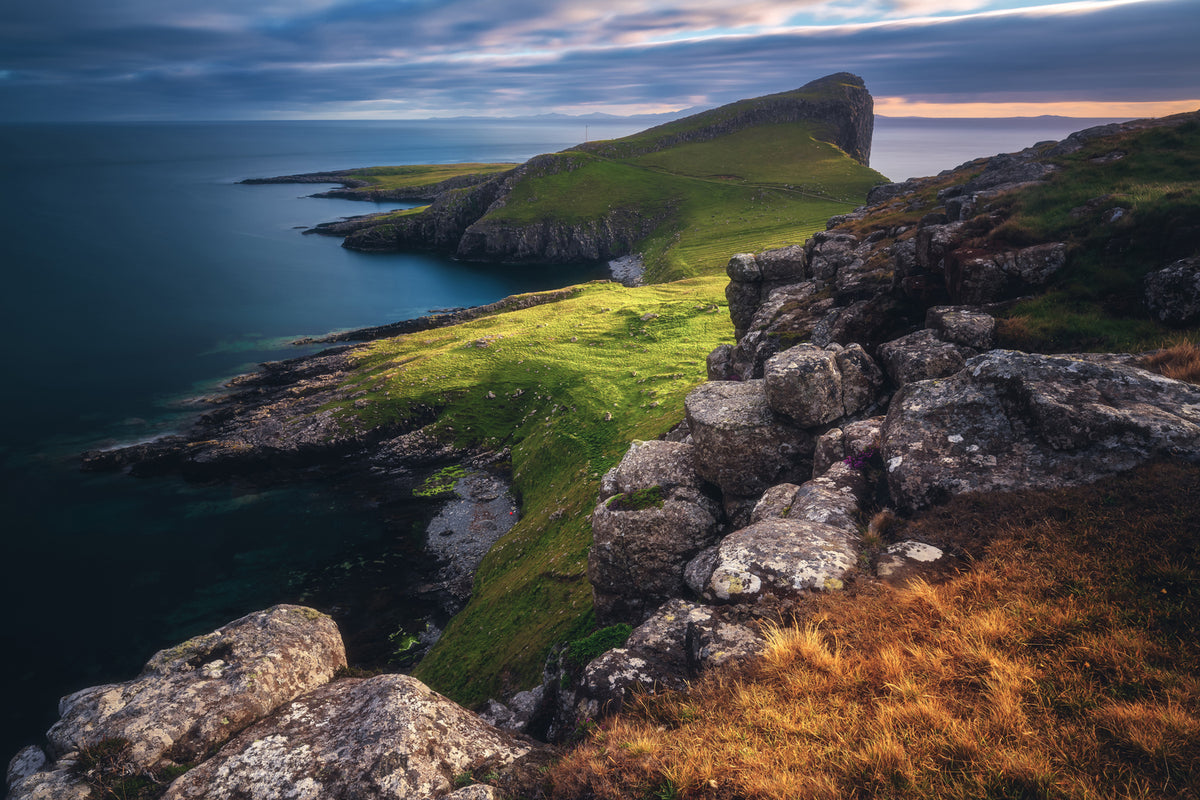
[[420, 175], [566, 386]]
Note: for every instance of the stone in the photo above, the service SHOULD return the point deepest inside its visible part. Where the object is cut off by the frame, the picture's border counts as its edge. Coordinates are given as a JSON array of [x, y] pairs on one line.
[[480, 791], [921, 356], [651, 519], [741, 445], [1012, 420], [1173, 292], [804, 383], [829, 252], [781, 556], [28, 761], [60, 781], [776, 503], [384, 737], [752, 278], [481, 511], [191, 698], [1036, 265], [962, 326], [862, 379], [906, 561], [669, 649]]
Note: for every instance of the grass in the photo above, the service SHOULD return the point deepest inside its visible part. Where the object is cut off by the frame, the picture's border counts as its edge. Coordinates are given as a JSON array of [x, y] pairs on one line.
[[1063, 661], [417, 175], [565, 386], [1096, 303], [764, 187]]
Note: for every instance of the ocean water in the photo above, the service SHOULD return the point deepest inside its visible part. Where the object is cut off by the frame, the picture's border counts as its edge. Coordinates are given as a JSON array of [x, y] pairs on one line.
[[138, 275]]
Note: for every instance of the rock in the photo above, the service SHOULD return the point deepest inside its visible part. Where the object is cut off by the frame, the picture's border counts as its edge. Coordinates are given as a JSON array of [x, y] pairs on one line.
[[718, 365], [1173, 293], [830, 252], [652, 518], [1035, 265], [61, 781], [26, 762], [863, 321], [861, 378], [1011, 420], [465, 528], [787, 317], [780, 555], [191, 698], [384, 737], [805, 383], [666, 651], [479, 791], [905, 561], [962, 326], [741, 445], [776, 503], [854, 439], [921, 356], [752, 278]]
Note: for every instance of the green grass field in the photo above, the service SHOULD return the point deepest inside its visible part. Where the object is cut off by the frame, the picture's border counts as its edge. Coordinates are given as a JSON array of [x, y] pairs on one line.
[[566, 386], [415, 175]]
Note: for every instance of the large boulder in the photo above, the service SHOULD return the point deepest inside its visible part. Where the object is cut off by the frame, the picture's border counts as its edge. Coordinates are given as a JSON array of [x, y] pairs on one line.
[[780, 556], [1173, 293], [651, 520], [191, 698], [753, 277], [815, 386], [384, 737], [741, 445], [922, 356], [963, 326], [1011, 420]]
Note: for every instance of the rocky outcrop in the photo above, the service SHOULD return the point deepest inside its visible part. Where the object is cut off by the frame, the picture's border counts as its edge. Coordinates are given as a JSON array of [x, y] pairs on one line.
[[191, 698], [652, 518], [383, 737], [1012, 420]]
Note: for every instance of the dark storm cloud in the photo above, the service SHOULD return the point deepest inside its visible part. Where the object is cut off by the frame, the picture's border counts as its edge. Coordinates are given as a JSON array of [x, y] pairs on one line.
[[465, 56]]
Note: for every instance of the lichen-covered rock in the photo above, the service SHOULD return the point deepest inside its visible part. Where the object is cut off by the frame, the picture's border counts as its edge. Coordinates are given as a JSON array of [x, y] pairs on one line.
[[1011, 420], [963, 326], [753, 277], [666, 651], [651, 520], [191, 698], [921, 356], [60, 781], [780, 555], [384, 737], [829, 252], [805, 383], [906, 561], [740, 444], [861, 377], [854, 439], [1173, 293]]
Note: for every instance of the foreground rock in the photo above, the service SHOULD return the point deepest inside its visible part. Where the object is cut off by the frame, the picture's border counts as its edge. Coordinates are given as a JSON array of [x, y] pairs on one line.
[[384, 737], [193, 697], [1011, 420], [651, 520]]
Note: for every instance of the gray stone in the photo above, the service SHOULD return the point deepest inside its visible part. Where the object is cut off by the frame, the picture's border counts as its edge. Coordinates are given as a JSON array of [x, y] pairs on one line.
[[776, 503], [905, 561], [384, 737], [1036, 265], [781, 555], [741, 445], [1011, 420], [642, 543], [861, 378], [804, 383], [465, 528], [479, 791], [60, 781], [921, 356], [829, 252], [963, 326], [193, 697], [666, 651], [1173, 293], [26, 762]]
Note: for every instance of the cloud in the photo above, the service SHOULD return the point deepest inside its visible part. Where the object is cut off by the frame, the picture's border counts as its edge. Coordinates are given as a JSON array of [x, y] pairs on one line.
[[227, 59]]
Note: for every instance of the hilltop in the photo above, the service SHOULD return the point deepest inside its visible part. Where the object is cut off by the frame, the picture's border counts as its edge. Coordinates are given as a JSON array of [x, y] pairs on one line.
[[758, 173]]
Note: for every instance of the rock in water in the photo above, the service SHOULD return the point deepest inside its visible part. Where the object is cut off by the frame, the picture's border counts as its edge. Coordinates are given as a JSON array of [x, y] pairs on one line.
[[384, 737], [1012, 420], [191, 698]]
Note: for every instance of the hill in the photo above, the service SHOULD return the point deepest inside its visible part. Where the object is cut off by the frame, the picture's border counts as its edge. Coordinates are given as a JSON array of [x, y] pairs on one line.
[[759, 173]]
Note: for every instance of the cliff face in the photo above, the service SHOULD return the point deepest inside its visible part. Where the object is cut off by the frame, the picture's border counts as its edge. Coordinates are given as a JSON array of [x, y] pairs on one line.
[[470, 222]]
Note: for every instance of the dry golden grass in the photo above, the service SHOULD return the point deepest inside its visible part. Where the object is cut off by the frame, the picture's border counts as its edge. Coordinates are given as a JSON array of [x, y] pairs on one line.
[[1180, 361], [1062, 664]]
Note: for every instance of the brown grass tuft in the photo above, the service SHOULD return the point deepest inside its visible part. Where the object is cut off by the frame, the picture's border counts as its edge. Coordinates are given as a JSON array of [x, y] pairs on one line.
[[1180, 362]]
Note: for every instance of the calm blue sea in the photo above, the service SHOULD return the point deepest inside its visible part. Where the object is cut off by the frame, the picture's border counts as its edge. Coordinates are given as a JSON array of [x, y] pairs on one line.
[[138, 274]]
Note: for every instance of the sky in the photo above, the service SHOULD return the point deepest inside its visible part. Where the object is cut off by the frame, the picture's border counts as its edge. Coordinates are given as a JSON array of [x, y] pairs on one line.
[[410, 59]]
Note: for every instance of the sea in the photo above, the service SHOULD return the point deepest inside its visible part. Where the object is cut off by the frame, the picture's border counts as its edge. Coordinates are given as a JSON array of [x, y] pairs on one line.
[[139, 275]]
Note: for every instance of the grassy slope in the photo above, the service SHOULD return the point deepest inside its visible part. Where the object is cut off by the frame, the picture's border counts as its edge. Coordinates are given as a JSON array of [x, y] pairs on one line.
[[417, 175], [763, 187], [1097, 302], [1064, 662], [556, 371]]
